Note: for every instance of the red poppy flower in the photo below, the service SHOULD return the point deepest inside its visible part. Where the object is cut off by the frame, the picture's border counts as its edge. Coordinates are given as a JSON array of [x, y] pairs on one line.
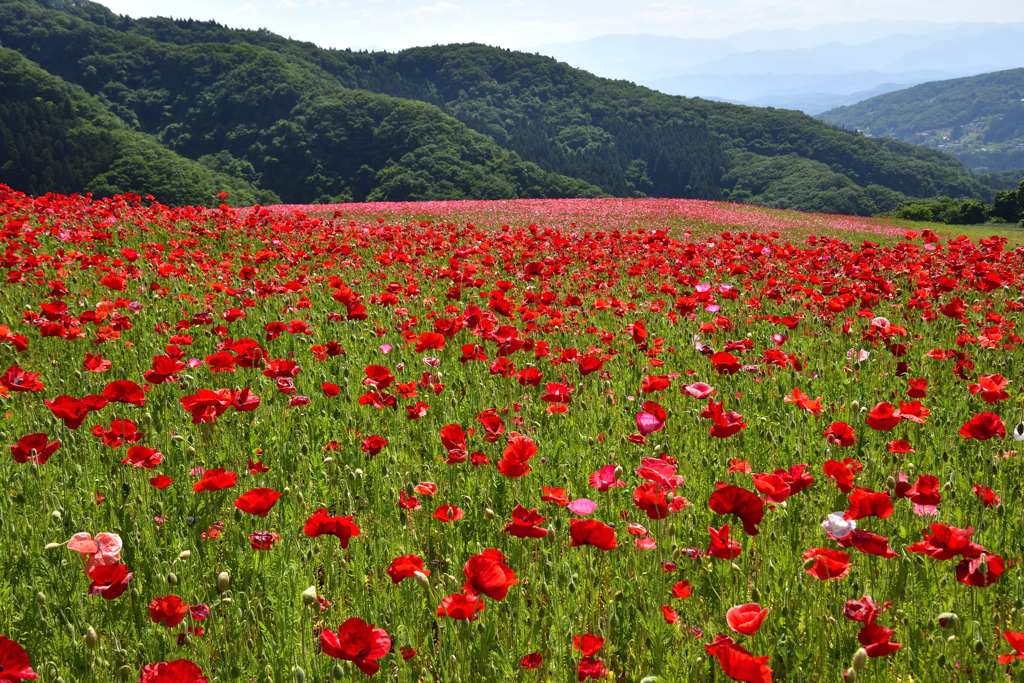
[[653, 499], [900, 446], [124, 391], [926, 491], [671, 617], [488, 576], [796, 478], [429, 340], [356, 642], [426, 488], [842, 472], [981, 571], [987, 496], [990, 387], [71, 410], [605, 479], [108, 580], [532, 661], [140, 456], [168, 610], [746, 619], [372, 445], [264, 540], [554, 494], [330, 390], [867, 503], [870, 543], [772, 487], [983, 426], [407, 502], [16, 379], [863, 610], [725, 363], [723, 547], [518, 452], [453, 438], [256, 467], [946, 542], [215, 480], [407, 653], [587, 644], [525, 523], [35, 448], [529, 377], [95, 363], [257, 501], [405, 567], [461, 606], [681, 590], [1016, 641], [875, 640], [741, 466], [320, 523], [826, 564], [161, 482], [178, 671], [591, 532], [448, 513], [918, 388], [590, 668], [883, 417], [733, 500], [840, 434], [737, 663]]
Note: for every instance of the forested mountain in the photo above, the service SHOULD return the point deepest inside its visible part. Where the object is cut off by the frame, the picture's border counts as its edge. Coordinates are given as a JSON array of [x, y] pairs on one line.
[[979, 119], [56, 138], [455, 121]]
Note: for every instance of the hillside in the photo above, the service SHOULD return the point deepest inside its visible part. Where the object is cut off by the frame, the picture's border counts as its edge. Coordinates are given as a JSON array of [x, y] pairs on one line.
[[457, 121], [305, 137], [979, 119], [56, 138]]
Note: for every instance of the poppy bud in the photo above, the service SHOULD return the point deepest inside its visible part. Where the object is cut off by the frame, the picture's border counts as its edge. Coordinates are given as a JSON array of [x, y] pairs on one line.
[[808, 563], [338, 672], [172, 579], [1000, 510], [299, 497], [238, 515], [488, 513], [849, 676], [983, 567], [305, 449], [55, 515], [860, 659], [784, 611], [20, 499], [309, 596], [298, 675], [979, 645], [184, 554], [328, 459], [941, 659], [287, 491], [855, 406], [191, 452], [54, 546], [226, 601], [91, 639], [223, 581], [755, 595], [736, 567], [41, 598], [421, 580], [890, 483]]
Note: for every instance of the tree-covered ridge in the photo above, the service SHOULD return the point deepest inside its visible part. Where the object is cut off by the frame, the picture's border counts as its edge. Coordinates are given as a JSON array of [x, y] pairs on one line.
[[979, 119], [315, 126], [305, 136], [56, 138]]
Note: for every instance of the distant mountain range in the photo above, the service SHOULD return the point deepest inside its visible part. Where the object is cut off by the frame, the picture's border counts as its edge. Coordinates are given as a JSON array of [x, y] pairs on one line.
[[811, 71], [979, 119]]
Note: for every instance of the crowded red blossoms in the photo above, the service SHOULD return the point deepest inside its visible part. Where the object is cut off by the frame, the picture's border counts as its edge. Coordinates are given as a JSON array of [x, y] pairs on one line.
[[547, 440]]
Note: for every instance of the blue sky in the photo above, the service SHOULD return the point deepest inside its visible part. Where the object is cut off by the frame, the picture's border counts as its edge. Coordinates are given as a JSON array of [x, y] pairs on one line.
[[396, 24]]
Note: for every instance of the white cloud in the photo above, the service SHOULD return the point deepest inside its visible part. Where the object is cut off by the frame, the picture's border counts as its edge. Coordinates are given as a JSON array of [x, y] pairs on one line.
[[247, 8], [287, 4]]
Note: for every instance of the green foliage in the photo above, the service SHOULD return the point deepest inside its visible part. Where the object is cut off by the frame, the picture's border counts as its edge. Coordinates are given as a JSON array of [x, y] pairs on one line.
[[55, 138], [1008, 207], [978, 119]]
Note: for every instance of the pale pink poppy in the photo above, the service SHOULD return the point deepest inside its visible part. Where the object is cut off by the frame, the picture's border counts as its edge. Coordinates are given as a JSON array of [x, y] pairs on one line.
[[101, 551], [582, 506], [647, 423], [698, 389]]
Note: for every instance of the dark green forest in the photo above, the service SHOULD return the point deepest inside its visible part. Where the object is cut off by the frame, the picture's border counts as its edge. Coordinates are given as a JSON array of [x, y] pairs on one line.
[[456, 121]]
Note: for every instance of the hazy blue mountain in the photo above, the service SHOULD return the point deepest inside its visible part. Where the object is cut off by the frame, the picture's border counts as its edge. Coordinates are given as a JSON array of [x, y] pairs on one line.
[[810, 70]]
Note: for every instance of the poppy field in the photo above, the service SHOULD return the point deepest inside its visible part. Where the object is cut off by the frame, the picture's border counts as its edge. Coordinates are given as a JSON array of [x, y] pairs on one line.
[[623, 440]]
